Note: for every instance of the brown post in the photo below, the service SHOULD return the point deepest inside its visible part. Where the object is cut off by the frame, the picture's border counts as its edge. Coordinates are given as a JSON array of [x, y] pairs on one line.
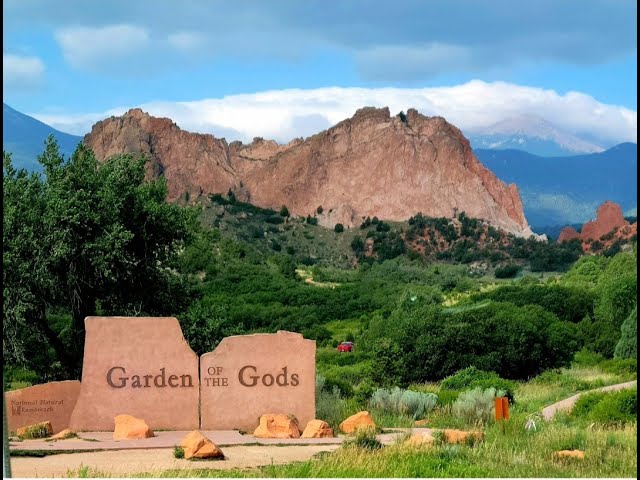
[[499, 405], [505, 408]]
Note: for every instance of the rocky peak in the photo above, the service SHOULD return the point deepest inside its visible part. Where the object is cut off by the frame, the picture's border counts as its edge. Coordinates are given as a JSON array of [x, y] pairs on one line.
[[608, 227], [371, 164]]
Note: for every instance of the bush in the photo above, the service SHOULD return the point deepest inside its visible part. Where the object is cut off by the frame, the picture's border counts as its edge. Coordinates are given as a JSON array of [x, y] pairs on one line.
[[178, 452], [608, 407], [284, 211], [627, 346], [507, 271], [331, 406], [339, 228], [404, 402], [35, 431], [476, 406], [470, 378], [364, 438], [447, 397], [620, 366]]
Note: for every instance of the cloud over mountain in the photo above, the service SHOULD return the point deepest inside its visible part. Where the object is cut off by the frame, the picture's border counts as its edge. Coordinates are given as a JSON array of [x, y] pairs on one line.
[[286, 114]]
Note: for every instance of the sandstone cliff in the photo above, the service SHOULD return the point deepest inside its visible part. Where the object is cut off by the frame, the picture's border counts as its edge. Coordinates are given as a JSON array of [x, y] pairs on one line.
[[372, 164], [608, 227]]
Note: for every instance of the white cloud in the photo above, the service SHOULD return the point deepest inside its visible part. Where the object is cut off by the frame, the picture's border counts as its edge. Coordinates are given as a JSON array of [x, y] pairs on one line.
[[92, 47], [21, 72], [286, 114]]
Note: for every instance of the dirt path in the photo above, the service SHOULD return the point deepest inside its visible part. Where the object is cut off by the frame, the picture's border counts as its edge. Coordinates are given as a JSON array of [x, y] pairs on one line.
[[568, 403], [118, 463]]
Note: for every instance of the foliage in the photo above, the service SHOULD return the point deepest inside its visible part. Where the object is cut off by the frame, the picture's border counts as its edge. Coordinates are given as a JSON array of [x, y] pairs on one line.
[[364, 438], [627, 346], [403, 402], [339, 228], [35, 431], [178, 452], [476, 406], [570, 303], [507, 271], [331, 406], [284, 211], [205, 324], [90, 238], [607, 407], [471, 377], [515, 342]]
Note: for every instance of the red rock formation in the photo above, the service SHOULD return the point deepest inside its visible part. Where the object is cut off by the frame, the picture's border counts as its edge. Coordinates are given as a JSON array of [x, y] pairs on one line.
[[608, 227], [369, 165], [567, 234], [608, 217]]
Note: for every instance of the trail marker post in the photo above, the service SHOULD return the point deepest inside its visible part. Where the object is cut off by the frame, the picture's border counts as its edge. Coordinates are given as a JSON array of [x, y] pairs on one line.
[[502, 410]]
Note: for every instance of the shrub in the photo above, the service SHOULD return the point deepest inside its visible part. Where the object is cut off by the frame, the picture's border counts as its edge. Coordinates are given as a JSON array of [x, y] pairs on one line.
[[178, 452], [404, 402], [608, 408], [319, 210], [447, 397], [364, 438], [627, 346], [331, 406], [476, 406], [339, 228], [470, 378], [35, 431], [284, 211], [620, 366], [507, 271]]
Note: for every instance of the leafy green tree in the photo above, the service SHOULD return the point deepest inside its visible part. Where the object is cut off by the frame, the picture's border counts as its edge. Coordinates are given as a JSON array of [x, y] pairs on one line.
[[627, 347], [339, 228], [91, 239], [284, 211], [205, 324]]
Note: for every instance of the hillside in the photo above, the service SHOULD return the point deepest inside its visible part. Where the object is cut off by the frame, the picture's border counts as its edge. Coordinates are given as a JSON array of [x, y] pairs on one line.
[[23, 136], [567, 190]]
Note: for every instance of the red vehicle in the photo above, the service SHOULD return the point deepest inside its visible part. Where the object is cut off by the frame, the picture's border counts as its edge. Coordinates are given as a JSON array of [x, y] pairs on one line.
[[345, 347]]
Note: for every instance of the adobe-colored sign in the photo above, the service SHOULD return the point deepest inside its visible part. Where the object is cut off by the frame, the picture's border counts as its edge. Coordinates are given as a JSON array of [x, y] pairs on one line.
[[247, 376], [139, 366], [53, 401]]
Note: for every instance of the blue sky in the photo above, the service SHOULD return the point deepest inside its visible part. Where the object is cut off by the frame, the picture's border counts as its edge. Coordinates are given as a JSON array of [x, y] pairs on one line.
[[71, 62]]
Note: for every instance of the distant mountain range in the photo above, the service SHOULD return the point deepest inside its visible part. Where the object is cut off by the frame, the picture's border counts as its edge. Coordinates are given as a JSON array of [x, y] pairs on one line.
[[568, 190], [23, 136], [531, 134], [556, 190]]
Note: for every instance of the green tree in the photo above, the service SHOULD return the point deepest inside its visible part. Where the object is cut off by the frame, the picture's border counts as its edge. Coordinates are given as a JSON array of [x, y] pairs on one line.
[[205, 324], [339, 228], [627, 347], [91, 239], [284, 211]]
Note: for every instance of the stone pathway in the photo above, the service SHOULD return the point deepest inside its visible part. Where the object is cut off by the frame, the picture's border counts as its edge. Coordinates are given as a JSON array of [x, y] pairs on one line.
[[567, 404]]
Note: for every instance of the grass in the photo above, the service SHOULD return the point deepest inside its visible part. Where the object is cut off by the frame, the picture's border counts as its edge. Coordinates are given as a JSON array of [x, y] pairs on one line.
[[610, 450], [516, 453]]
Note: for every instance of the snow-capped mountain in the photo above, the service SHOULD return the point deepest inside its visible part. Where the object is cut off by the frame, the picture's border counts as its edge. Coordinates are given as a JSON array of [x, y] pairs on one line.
[[531, 134]]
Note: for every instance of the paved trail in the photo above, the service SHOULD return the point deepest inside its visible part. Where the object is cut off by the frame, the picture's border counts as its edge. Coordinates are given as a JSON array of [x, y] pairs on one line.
[[568, 403]]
